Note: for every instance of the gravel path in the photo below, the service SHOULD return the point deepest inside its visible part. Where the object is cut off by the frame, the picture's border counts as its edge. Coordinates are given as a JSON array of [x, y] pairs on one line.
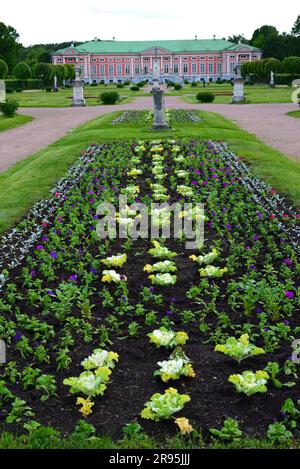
[[267, 121]]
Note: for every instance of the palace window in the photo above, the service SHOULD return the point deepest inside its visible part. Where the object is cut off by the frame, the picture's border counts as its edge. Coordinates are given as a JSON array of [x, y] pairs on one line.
[[137, 69], [81, 70], [136, 60], [210, 68], [194, 68], [58, 60], [70, 59], [232, 67], [232, 56], [119, 60], [119, 69], [175, 68], [176, 59], [81, 60], [202, 68], [94, 70], [185, 68], [101, 60], [185, 58], [111, 59], [166, 68], [202, 57], [211, 57], [166, 59], [94, 60], [146, 59], [219, 68], [111, 70], [102, 70], [194, 58], [127, 69]]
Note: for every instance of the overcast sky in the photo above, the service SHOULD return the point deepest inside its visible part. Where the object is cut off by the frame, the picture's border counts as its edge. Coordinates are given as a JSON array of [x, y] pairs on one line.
[[39, 21]]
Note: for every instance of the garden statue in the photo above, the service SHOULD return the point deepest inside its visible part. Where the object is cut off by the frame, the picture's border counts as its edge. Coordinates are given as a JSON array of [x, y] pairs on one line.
[[272, 81], [238, 85], [55, 87], [2, 91], [158, 101], [78, 98], [156, 73]]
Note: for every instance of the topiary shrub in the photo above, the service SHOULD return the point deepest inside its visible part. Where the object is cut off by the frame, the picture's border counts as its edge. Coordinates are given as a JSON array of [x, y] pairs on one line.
[[134, 88], [205, 97], [48, 89], [120, 85], [177, 86], [9, 108], [126, 83], [109, 97], [9, 90], [194, 84]]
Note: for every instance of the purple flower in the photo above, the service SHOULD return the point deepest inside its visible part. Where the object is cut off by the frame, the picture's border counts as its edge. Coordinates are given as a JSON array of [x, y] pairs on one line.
[[122, 277], [290, 295], [18, 336], [59, 219], [288, 262], [194, 183], [266, 329], [169, 312], [151, 289], [73, 278], [53, 254], [93, 270], [33, 274], [259, 310], [256, 237], [253, 267], [286, 323], [40, 248], [229, 226], [50, 293]]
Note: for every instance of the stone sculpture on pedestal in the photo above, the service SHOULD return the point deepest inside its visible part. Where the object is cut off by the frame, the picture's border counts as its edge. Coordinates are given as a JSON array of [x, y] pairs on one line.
[[238, 86], [78, 98], [158, 101]]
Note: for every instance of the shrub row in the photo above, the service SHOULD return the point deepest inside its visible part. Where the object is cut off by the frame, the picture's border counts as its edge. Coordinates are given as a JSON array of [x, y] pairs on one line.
[[30, 84]]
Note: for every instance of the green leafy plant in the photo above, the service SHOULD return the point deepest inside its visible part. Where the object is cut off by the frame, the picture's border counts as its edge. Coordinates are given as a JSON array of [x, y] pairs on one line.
[[239, 349], [163, 406], [176, 366], [164, 337], [250, 383], [273, 371], [278, 433], [230, 432], [18, 411]]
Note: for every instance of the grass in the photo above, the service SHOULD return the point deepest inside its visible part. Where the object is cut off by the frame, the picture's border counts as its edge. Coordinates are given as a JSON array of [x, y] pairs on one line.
[[48, 438], [257, 94], [7, 123], [30, 180], [294, 114], [254, 94]]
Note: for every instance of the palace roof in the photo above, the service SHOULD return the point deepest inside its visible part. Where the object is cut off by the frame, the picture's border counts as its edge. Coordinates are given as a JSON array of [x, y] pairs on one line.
[[135, 47]]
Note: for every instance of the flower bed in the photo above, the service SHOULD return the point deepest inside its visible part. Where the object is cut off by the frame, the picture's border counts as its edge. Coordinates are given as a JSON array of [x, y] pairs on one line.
[[173, 116], [85, 319]]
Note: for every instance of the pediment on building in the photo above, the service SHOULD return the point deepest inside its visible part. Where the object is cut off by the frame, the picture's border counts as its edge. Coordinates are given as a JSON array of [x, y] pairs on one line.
[[71, 52], [156, 51], [243, 48]]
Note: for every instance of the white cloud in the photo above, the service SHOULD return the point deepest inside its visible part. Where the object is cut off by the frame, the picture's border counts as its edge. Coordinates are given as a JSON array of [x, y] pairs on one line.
[[57, 21]]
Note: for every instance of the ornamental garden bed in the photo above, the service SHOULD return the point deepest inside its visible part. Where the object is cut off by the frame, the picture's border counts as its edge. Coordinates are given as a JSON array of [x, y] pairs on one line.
[[227, 311]]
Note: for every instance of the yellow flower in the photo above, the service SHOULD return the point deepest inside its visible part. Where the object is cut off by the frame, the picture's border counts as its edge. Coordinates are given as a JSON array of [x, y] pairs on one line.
[[113, 356], [191, 372], [106, 278], [193, 258], [181, 337], [148, 268], [86, 404], [171, 391], [184, 425], [244, 339]]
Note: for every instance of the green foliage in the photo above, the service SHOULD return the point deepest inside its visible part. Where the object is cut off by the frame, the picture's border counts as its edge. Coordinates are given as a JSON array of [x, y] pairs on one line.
[[44, 72], [273, 371], [109, 97], [19, 410], [134, 88], [9, 45], [9, 108], [22, 71], [177, 87], [250, 383], [239, 349], [3, 69], [163, 406], [291, 65], [205, 97], [278, 433], [230, 431]]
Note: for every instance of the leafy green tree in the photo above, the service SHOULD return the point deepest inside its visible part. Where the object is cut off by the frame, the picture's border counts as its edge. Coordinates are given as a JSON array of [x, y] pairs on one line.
[[291, 65], [3, 69], [61, 72], [43, 72], [238, 38], [268, 40], [22, 71], [296, 27], [71, 71], [9, 45]]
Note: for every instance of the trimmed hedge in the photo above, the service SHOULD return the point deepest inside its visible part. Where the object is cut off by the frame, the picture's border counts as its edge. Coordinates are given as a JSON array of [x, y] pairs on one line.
[[31, 84], [205, 97], [109, 97], [9, 108]]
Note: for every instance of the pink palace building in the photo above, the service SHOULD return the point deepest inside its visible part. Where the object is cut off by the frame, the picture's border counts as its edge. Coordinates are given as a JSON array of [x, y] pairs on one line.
[[193, 60]]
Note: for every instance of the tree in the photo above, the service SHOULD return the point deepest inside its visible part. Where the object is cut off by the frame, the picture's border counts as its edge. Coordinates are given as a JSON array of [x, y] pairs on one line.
[[22, 71], [296, 27], [268, 40], [9, 45], [43, 72], [291, 65], [272, 65], [61, 72], [71, 71], [3, 69], [236, 39]]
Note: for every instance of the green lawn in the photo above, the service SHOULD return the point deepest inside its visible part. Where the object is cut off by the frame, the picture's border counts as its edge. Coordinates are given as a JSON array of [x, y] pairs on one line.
[[254, 94], [257, 94], [30, 179], [294, 114], [7, 123]]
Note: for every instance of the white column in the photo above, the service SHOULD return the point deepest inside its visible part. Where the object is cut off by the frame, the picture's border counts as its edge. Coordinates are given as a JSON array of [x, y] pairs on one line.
[[180, 65]]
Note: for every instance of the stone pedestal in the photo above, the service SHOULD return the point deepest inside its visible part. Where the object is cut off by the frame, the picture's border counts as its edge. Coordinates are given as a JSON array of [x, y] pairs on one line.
[[78, 98], [2, 91], [238, 92], [159, 109]]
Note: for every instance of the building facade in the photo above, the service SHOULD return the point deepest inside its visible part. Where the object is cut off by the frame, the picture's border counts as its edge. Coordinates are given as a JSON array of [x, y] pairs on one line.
[[192, 60]]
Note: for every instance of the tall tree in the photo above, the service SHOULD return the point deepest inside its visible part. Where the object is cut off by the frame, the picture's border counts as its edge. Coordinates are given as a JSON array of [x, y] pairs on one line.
[[236, 38], [9, 45], [296, 27]]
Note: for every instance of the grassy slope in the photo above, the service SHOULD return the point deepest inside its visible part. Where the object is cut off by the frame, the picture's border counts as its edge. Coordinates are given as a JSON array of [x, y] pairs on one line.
[[30, 180], [12, 122]]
